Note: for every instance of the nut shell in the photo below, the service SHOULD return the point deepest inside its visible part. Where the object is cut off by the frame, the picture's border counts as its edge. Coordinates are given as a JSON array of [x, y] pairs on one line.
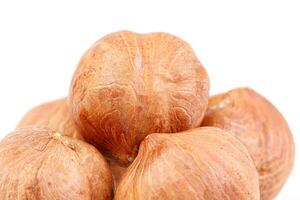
[[55, 115], [262, 129], [128, 85], [203, 163], [39, 164]]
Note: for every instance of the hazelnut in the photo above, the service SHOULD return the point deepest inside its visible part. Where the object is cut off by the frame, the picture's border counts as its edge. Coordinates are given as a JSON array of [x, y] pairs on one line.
[[263, 130], [128, 85], [54, 115], [198, 164], [38, 163]]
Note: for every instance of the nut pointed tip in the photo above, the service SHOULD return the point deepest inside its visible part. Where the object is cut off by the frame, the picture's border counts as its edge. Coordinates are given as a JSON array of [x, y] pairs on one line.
[[56, 135]]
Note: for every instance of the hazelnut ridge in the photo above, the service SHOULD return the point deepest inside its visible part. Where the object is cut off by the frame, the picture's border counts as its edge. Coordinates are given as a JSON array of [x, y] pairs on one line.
[[140, 99]]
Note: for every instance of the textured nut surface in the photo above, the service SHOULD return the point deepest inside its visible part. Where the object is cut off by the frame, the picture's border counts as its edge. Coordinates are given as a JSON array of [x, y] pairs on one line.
[[263, 130], [128, 85], [39, 164], [54, 115], [203, 163]]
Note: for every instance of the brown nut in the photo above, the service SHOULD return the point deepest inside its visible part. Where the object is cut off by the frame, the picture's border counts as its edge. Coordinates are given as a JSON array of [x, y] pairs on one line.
[[264, 131], [128, 85], [40, 164], [54, 115], [203, 163]]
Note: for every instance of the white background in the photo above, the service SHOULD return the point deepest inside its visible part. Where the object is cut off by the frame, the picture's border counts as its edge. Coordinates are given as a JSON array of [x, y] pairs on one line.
[[241, 43]]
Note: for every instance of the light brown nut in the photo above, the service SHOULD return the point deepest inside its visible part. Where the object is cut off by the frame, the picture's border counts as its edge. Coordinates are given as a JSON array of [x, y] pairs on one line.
[[39, 164], [54, 115], [263, 130], [198, 164], [128, 85]]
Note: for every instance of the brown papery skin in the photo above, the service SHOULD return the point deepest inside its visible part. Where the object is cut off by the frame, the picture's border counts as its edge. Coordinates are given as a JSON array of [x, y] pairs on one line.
[[39, 164], [128, 85], [55, 115], [198, 164], [263, 130]]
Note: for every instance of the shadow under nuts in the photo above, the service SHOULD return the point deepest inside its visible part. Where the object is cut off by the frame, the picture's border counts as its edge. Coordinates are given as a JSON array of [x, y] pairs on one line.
[[54, 115], [41, 164], [263, 130], [128, 85], [198, 164]]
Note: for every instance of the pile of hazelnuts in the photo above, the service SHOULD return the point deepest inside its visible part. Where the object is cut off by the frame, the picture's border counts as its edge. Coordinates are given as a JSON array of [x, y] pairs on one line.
[[139, 124]]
